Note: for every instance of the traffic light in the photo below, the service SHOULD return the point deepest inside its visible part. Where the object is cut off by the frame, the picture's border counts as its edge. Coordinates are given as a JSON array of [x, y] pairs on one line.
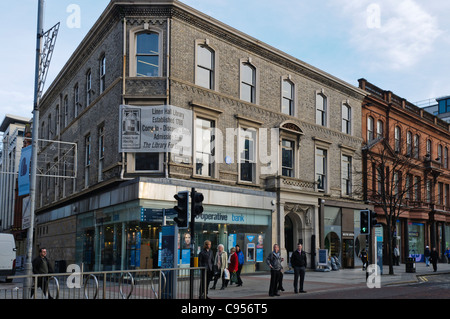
[[182, 209], [373, 219], [197, 203], [365, 222]]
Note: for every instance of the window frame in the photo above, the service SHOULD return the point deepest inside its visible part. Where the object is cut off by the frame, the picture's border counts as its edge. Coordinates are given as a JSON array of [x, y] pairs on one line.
[[254, 91], [290, 99], [346, 122], [292, 148], [204, 44], [133, 34], [322, 120]]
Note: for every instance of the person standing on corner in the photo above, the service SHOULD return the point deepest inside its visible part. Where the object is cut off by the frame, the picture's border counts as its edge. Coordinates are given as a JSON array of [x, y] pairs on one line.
[[434, 256], [299, 262], [240, 256], [274, 262], [206, 259]]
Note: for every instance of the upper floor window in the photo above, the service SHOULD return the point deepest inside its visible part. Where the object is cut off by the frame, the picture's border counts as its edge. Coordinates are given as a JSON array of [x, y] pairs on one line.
[[287, 158], [428, 147], [205, 67], [370, 129], [248, 83], [88, 88], [147, 54], [247, 144], [321, 169], [346, 119], [204, 147], [321, 109], [397, 139], [409, 146], [380, 128], [287, 106], [102, 74], [416, 146]]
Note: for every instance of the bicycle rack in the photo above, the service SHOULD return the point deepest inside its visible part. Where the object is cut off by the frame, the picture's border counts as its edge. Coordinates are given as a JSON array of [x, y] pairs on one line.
[[121, 283], [86, 285]]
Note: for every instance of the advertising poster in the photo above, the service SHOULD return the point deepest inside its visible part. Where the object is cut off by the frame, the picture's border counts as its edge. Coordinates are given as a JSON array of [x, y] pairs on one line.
[[24, 171]]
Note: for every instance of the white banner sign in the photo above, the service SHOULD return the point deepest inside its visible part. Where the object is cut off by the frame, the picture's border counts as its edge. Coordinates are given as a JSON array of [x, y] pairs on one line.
[[155, 129]]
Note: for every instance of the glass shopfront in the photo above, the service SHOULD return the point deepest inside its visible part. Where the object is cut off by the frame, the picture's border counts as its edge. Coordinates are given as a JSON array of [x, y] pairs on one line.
[[416, 238], [120, 238]]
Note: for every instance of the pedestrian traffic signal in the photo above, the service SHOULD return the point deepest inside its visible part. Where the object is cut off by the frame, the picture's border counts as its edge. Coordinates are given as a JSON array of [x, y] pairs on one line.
[[373, 218], [182, 209], [365, 222], [197, 203]]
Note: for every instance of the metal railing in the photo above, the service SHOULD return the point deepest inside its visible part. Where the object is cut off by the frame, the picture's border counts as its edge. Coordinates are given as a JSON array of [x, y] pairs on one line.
[[173, 283]]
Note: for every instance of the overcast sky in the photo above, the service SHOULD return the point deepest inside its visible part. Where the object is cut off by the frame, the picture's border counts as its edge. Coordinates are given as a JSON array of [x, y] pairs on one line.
[[399, 45]]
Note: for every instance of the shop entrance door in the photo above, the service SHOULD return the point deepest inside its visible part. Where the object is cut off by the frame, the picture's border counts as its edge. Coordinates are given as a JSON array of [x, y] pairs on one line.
[[348, 260]]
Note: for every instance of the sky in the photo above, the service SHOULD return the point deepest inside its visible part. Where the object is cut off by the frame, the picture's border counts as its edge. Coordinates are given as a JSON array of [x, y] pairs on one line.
[[402, 45]]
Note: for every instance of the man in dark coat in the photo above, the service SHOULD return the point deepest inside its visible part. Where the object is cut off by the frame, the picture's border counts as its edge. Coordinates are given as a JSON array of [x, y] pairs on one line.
[[434, 256], [42, 266], [206, 259], [299, 262]]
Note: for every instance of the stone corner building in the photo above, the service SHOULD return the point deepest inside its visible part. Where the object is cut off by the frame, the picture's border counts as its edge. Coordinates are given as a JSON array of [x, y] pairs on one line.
[[149, 53]]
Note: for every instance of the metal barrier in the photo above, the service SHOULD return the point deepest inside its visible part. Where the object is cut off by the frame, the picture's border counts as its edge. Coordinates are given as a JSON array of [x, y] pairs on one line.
[[173, 283]]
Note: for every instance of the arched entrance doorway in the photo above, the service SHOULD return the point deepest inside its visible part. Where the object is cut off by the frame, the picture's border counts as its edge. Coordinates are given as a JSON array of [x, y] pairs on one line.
[[292, 232]]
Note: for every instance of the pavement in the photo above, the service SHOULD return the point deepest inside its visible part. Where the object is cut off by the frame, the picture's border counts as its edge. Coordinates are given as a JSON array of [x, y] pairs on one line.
[[256, 285]]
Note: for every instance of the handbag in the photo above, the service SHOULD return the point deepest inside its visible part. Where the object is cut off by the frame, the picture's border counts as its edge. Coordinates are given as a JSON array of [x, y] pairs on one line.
[[216, 272], [234, 277], [226, 274]]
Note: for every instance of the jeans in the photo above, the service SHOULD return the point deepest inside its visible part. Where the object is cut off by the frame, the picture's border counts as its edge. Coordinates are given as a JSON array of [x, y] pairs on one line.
[[427, 261]]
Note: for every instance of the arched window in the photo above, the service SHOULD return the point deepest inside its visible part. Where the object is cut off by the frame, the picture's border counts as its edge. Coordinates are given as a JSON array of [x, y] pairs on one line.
[[321, 109], [370, 129], [147, 54], [397, 137], [380, 129], [287, 106], [248, 83], [205, 67]]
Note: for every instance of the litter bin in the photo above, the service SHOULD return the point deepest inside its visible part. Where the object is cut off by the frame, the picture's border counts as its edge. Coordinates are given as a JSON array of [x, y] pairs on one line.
[[410, 264]]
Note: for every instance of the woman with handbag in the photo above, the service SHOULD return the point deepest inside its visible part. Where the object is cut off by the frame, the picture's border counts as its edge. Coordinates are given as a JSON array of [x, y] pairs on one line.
[[221, 263], [233, 265]]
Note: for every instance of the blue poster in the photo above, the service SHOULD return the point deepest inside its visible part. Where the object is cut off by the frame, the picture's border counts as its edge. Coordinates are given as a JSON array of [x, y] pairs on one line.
[[24, 171]]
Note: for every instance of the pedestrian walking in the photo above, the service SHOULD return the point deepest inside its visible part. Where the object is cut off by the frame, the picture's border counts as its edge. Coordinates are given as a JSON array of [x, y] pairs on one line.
[[299, 262], [206, 259], [233, 263], [434, 256], [42, 266], [364, 259], [396, 256], [447, 253], [221, 262], [240, 256], [427, 255], [274, 262]]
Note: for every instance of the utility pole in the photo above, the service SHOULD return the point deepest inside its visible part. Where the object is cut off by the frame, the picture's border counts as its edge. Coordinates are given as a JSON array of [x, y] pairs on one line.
[[45, 43], [34, 143]]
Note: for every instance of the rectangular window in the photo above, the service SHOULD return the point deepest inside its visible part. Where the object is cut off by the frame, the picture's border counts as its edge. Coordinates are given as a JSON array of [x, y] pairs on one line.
[[147, 54], [87, 159], [88, 88], [204, 147], [76, 100], [147, 162], [247, 144], [346, 175], [66, 111], [287, 161], [417, 188], [102, 74], [321, 169], [101, 151]]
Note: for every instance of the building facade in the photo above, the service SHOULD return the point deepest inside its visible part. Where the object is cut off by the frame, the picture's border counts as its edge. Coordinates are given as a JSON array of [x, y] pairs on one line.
[[423, 182], [288, 176], [11, 208]]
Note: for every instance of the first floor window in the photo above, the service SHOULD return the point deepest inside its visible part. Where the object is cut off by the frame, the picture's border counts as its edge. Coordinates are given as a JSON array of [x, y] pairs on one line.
[[287, 161], [247, 154], [346, 175], [87, 159], [321, 169], [204, 147], [147, 162]]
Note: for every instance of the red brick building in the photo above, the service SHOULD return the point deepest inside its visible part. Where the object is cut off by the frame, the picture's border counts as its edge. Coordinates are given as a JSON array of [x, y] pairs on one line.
[[395, 128]]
